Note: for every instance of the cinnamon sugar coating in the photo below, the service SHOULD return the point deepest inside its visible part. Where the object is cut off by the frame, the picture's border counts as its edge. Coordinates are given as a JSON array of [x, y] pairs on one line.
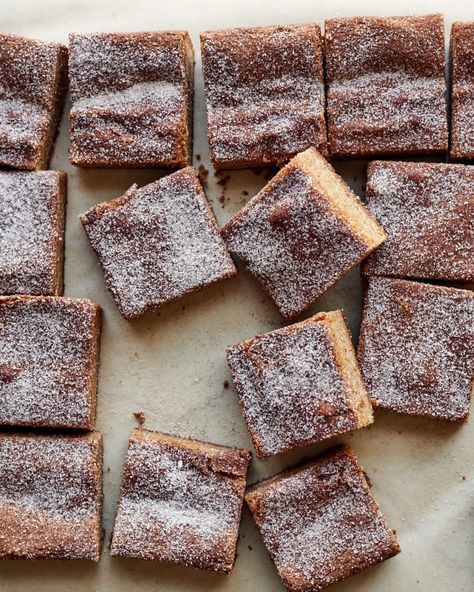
[[132, 99], [416, 348], [32, 87], [264, 93], [462, 91], [386, 88], [49, 357], [320, 522], [32, 212], [157, 243], [180, 501], [427, 210], [50, 496]]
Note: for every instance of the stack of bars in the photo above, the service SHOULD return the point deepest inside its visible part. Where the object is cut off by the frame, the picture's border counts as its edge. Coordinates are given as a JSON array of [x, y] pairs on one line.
[[271, 101]]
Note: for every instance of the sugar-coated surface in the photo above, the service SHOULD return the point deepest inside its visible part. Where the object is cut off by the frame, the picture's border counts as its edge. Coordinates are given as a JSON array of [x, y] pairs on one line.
[[158, 243], [320, 523], [386, 88], [265, 93], [131, 96], [48, 364], [416, 348], [428, 211], [177, 506], [291, 388], [50, 497], [291, 239], [31, 235]]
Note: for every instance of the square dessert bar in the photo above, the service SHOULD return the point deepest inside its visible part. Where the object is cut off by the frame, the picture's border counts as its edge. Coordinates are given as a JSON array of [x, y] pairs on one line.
[[32, 212], [157, 243], [49, 358], [50, 496], [265, 94], [33, 81], [180, 501], [302, 232], [320, 522], [132, 99], [416, 348], [427, 210], [299, 384], [386, 88], [462, 91]]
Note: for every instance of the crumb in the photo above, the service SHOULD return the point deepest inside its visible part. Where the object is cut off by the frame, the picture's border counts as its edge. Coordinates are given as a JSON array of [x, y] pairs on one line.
[[108, 469], [226, 386], [245, 192], [198, 157], [203, 174], [250, 547], [223, 181], [463, 477], [140, 417], [222, 199]]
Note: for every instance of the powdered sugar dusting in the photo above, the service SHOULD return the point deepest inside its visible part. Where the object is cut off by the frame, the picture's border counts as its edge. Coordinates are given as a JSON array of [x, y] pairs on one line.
[[427, 209], [31, 232], [161, 242], [48, 361], [416, 348]]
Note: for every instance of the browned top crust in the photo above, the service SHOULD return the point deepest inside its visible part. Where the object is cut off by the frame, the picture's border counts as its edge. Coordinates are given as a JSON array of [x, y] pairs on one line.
[[157, 243], [131, 99], [32, 232], [31, 87], [428, 211], [264, 92], [416, 348], [50, 496], [462, 91], [320, 522], [386, 86], [49, 349], [180, 501]]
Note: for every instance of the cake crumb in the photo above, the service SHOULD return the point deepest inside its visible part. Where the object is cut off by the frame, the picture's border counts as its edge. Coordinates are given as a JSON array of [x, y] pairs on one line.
[[203, 174], [226, 384], [140, 417]]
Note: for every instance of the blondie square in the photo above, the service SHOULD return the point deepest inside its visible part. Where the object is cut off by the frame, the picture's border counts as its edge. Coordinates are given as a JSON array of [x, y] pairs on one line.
[[33, 82], [299, 384], [50, 496], [265, 94], [49, 357], [320, 522], [32, 212], [416, 348], [386, 88], [157, 243], [302, 232], [180, 501], [132, 99]]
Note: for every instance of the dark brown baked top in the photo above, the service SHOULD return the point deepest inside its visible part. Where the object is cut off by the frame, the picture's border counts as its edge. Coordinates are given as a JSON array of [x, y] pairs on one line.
[[320, 522], [427, 210], [31, 232], [131, 99], [462, 91], [50, 496], [30, 79], [180, 501], [157, 243], [264, 93], [48, 361], [416, 347], [386, 86]]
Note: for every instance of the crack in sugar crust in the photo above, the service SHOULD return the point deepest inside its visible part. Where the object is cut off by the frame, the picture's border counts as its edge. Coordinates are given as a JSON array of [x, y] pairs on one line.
[[175, 507], [291, 239], [30, 232], [265, 93], [50, 497], [386, 87], [321, 523], [427, 209], [416, 348], [462, 91], [290, 388], [130, 96], [159, 243], [47, 361]]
